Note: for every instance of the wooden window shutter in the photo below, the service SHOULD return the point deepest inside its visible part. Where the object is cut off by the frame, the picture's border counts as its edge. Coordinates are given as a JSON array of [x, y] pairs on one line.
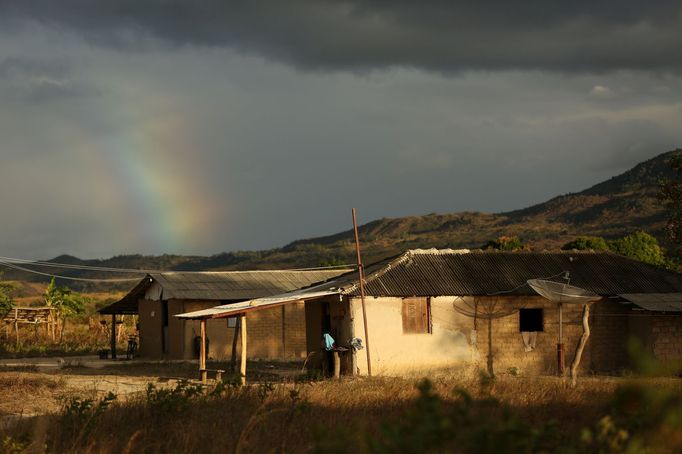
[[416, 316]]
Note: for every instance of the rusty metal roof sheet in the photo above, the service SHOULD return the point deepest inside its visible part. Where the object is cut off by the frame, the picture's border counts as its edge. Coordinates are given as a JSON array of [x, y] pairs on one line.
[[228, 310], [660, 302], [438, 273], [221, 286]]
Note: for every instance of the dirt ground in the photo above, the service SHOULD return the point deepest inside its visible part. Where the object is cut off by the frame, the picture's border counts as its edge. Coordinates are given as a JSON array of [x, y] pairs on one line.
[[35, 386]]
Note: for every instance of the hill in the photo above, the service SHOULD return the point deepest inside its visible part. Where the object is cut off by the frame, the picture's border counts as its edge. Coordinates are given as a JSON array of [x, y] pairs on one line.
[[615, 207]]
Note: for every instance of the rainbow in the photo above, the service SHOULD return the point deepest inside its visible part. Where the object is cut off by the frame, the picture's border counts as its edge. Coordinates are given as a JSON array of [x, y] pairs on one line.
[[154, 187]]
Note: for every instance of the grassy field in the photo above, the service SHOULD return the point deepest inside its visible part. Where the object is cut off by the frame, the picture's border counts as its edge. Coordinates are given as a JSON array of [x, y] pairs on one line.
[[509, 414]]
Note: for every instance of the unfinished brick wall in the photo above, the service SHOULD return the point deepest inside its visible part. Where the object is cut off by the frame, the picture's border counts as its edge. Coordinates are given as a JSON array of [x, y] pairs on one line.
[[277, 333], [507, 342], [666, 336], [610, 332]]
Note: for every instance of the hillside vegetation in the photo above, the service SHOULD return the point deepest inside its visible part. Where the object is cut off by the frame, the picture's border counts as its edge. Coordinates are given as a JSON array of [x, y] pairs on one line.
[[613, 208]]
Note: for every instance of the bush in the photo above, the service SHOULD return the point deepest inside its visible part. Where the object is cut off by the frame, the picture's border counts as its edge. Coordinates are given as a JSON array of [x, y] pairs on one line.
[[594, 243]]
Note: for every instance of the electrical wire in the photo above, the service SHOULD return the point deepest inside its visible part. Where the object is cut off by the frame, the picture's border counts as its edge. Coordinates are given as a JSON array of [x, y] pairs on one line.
[[73, 266], [71, 278], [12, 263], [135, 270]]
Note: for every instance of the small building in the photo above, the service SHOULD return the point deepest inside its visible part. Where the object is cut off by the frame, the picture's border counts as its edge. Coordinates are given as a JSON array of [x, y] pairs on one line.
[[278, 333], [444, 309]]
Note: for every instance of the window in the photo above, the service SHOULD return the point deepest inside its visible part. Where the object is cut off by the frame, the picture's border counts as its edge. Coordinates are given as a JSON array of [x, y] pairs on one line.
[[232, 322], [531, 320], [416, 316]]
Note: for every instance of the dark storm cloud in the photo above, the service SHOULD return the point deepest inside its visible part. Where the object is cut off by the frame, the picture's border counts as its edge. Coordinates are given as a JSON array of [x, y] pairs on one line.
[[38, 80], [360, 35]]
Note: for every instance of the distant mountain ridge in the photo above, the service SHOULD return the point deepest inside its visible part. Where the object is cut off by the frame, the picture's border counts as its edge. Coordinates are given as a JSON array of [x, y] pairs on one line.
[[615, 207]]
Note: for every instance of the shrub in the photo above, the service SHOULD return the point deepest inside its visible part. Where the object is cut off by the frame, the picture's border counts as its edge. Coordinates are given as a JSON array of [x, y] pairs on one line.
[[595, 243]]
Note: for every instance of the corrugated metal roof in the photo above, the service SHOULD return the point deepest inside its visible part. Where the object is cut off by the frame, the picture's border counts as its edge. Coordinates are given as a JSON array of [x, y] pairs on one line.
[[438, 272], [449, 272], [661, 302], [228, 310], [221, 285]]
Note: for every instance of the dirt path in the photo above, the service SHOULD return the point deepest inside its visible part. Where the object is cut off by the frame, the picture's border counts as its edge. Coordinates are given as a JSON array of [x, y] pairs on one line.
[[26, 394]]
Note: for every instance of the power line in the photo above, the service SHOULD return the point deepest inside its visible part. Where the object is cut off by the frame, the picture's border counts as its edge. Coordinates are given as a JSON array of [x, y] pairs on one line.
[[11, 262], [83, 279], [73, 266]]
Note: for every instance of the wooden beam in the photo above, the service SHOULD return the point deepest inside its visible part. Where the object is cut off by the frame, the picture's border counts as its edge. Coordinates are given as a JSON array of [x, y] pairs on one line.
[[113, 336], [235, 336], [202, 351], [242, 367], [16, 324]]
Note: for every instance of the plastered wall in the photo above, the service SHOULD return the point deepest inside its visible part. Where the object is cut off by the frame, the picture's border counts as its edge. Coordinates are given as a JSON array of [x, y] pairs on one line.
[[455, 344], [395, 353]]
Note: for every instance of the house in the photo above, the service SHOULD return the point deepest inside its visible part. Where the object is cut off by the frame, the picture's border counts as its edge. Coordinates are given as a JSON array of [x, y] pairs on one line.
[[278, 333], [439, 309]]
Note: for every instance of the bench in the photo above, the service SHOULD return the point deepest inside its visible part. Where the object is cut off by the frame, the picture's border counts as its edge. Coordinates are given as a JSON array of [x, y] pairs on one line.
[[203, 374]]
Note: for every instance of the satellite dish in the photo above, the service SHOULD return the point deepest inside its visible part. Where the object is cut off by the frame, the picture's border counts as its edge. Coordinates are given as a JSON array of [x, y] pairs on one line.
[[561, 293]]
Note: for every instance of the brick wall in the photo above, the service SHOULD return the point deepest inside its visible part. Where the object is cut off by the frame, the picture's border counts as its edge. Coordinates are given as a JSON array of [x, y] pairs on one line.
[[611, 329], [507, 342], [666, 336], [276, 333]]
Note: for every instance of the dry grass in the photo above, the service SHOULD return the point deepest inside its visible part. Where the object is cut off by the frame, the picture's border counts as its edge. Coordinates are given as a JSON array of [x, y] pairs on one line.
[[305, 417]]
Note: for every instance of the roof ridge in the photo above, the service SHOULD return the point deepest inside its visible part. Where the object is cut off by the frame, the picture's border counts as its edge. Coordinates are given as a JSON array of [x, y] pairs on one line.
[[251, 271], [436, 251]]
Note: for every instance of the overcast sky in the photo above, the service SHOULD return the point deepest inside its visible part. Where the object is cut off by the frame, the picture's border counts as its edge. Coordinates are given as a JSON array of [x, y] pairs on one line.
[[206, 126]]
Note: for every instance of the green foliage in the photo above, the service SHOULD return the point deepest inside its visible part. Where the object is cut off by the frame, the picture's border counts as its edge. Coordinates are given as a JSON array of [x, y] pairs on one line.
[[639, 246], [6, 300], [11, 445], [433, 424], [639, 418], [79, 415], [582, 243], [66, 303], [671, 194], [506, 243], [175, 399]]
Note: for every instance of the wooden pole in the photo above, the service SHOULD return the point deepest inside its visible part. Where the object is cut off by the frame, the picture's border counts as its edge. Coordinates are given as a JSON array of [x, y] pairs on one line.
[[16, 324], [581, 344], [233, 359], [361, 274], [560, 345], [113, 336], [491, 371], [337, 364], [242, 366], [202, 351]]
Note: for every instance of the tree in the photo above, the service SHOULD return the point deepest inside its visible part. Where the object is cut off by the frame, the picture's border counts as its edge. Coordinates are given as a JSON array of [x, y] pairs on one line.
[[639, 246], [671, 195], [594, 243], [66, 304], [6, 300], [505, 243]]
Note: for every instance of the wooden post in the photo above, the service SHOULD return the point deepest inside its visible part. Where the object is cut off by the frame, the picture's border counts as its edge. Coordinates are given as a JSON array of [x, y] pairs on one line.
[[233, 359], [560, 345], [202, 351], [337, 364], [491, 371], [361, 275], [113, 336], [581, 344], [242, 367], [16, 324]]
